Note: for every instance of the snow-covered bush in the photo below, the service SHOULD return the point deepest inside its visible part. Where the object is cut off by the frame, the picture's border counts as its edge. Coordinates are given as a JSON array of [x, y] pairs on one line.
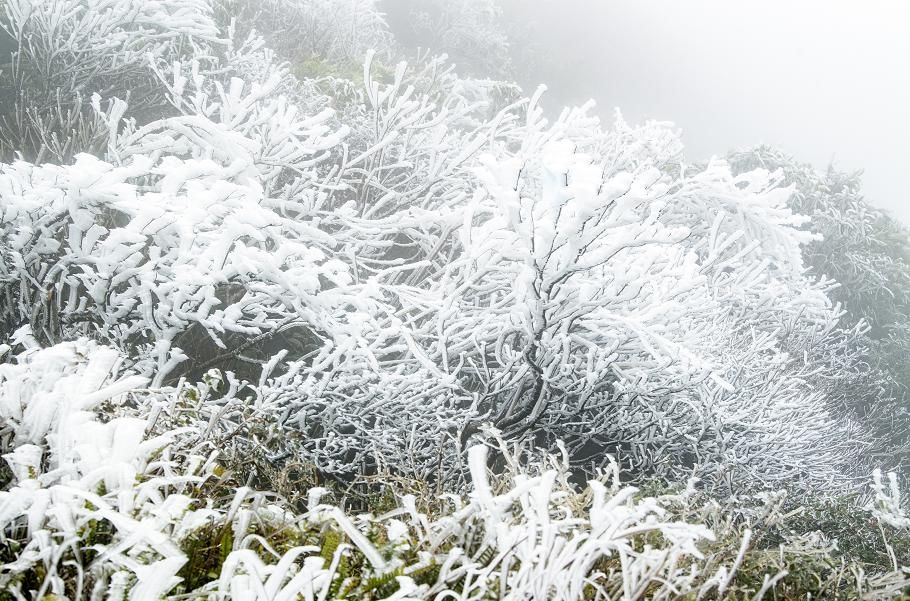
[[858, 245], [116, 491], [97, 509], [68, 50], [556, 280], [584, 308], [93, 506], [104, 253], [865, 252], [88, 250]]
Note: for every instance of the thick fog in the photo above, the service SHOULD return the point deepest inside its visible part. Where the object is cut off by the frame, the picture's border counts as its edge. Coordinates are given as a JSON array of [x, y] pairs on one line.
[[825, 81]]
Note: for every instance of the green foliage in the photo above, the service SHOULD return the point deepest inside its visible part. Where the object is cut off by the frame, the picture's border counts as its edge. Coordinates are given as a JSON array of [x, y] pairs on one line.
[[205, 549], [316, 67], [827, 549]]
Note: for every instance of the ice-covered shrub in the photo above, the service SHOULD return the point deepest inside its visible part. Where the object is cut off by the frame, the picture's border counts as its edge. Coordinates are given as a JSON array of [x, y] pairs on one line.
[[116, 491], [92, 504], [68, 50], [90, 250], [438, 267], [99, 508], [864, 250], [589, 302], [542, 277]]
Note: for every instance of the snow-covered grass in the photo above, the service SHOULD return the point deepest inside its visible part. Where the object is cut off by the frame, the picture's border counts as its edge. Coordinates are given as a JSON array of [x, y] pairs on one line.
[[97, 508], [100, 507]]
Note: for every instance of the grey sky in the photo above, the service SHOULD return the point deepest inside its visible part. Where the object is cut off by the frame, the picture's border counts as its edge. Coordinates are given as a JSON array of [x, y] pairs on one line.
[[822, 79]]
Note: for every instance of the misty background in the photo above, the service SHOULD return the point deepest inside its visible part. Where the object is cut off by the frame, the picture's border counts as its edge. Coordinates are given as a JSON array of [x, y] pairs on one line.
[[826, 81]]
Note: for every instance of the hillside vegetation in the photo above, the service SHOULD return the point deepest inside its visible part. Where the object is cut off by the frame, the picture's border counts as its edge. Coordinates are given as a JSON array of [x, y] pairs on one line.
[[292, 310]]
